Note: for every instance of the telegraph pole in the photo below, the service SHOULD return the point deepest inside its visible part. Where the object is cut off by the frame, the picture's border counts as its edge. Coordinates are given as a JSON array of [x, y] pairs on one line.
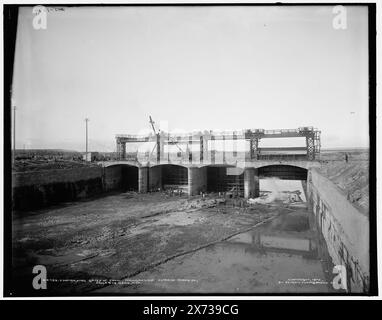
[[86, 153], [14, 135]]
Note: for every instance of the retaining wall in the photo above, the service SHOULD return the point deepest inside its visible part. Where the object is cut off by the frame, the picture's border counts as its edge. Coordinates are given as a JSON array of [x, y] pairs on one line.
[[37, 189], [344, 227]]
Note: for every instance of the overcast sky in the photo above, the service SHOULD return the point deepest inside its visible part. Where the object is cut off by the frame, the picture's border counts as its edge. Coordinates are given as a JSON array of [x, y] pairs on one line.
[[195, 67]]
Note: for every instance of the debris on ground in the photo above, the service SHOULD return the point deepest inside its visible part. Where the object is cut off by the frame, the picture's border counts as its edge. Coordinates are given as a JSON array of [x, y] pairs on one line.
[[205, 203], [285, 197]]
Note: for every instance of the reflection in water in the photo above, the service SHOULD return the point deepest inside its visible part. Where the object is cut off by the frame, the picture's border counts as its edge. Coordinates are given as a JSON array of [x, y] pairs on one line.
[[283, 249], [262, 241], [284, 255], [267, 259], [257, 239]]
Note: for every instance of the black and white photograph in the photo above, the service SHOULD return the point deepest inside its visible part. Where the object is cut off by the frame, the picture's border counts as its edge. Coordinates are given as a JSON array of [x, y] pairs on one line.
[[190, 149]]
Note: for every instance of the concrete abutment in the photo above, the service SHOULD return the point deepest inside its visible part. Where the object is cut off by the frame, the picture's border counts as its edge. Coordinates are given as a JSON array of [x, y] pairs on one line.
[[251, 183]]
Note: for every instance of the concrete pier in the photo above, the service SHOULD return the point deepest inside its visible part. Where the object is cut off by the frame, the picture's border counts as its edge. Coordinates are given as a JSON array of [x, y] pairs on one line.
[[155, 178], [251, 183], [143, 179], [197, 180], [257, 184]]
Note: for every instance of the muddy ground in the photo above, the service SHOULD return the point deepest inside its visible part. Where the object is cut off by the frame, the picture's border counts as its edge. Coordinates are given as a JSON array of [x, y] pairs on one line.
[[120, 235], [92, 247], [282, 255]]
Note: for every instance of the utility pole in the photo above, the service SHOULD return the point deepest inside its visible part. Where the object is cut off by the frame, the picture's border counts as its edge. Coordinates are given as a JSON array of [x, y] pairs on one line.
[[14, 135], [86, 153]]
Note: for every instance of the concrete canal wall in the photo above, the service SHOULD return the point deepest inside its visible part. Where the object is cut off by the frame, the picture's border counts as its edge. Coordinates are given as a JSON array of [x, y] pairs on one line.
[[38, 189], [344, 227]]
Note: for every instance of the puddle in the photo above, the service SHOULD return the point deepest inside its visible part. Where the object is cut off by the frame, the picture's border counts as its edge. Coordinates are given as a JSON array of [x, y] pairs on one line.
[[281, 256]]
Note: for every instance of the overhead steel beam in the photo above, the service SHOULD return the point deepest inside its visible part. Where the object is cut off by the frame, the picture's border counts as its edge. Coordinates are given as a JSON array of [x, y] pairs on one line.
[[283, 149]]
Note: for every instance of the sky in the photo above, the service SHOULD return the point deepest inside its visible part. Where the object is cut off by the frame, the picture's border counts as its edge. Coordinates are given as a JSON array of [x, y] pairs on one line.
[[194, 68]]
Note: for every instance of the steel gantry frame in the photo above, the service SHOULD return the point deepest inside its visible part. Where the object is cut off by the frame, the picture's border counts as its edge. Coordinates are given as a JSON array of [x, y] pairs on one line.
[[312, 140]]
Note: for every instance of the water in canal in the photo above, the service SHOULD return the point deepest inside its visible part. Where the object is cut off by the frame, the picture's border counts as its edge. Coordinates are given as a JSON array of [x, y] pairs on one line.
[[284, 255]]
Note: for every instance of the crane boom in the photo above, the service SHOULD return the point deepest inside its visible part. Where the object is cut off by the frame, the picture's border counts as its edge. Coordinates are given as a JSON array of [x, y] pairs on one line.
[[152, 124], [157, 145]]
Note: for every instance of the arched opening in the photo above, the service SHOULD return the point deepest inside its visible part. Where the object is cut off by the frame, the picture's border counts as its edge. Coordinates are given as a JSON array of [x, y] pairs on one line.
[[284, 172], [129, 181], [168, 176], [121, 177], [283, 183], [225, 179]]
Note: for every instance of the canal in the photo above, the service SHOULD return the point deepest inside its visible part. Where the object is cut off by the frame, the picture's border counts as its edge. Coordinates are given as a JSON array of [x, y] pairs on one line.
[[284, 255]]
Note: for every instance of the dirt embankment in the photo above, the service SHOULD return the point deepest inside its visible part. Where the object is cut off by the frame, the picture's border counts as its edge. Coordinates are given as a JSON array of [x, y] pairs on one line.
[[50, 164], [352, 177]]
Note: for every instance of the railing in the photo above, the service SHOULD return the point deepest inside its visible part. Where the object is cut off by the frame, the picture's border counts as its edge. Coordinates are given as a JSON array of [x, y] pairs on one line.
[[185, 160], [281, 131], [131, 157], [283, 157], [217, 132]]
